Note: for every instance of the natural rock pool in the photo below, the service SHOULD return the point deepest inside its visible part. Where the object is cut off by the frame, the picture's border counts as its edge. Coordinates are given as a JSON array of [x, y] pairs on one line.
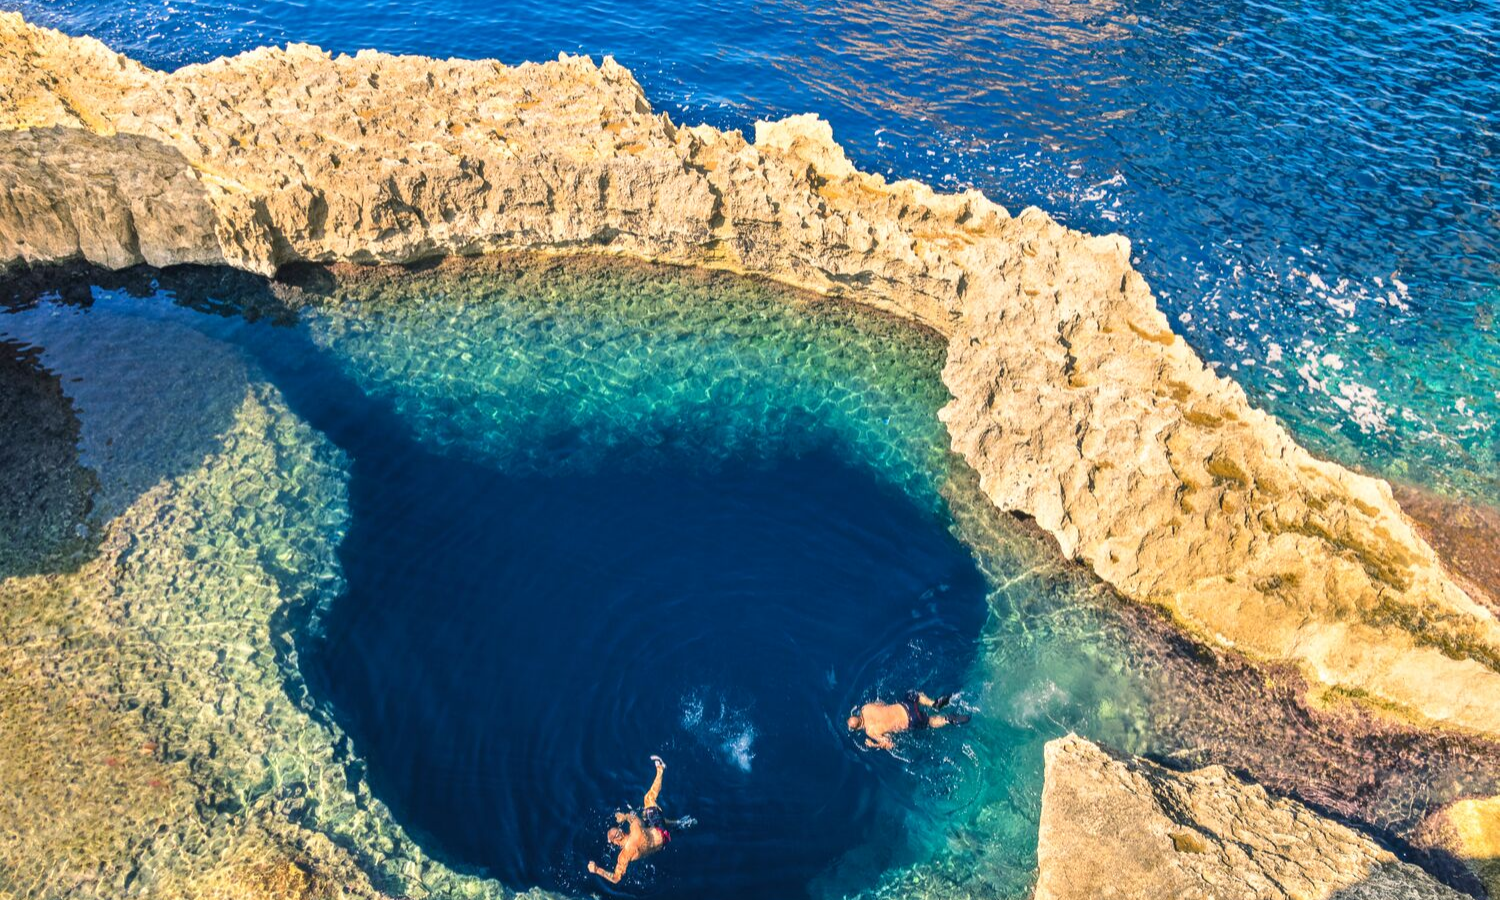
[[620, 530], [430, 562]]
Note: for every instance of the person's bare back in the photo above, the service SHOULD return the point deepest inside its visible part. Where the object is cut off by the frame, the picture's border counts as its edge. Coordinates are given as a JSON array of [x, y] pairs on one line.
[[643, 835], [881, 720]]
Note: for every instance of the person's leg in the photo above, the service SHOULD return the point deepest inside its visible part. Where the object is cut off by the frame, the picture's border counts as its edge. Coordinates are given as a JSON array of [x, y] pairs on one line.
[[925, 700], [940, 721], [655, 785]]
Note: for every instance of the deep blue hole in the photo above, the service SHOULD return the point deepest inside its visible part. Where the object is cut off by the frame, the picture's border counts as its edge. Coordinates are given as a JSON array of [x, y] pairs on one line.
[[511, 648]]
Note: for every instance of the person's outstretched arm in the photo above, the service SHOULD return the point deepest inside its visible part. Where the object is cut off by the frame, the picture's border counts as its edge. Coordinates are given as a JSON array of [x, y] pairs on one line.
[[622, 862]]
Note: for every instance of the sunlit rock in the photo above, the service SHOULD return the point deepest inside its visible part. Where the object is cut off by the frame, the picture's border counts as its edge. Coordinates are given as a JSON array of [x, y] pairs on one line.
[[1116, 827]]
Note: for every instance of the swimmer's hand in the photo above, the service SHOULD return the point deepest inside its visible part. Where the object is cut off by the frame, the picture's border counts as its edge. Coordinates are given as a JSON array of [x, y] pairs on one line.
[[657, 759], [619, 817]]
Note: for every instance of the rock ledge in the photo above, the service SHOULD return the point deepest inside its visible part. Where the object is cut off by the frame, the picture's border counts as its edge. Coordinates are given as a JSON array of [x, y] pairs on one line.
[[1125, 828], [1073, 399]]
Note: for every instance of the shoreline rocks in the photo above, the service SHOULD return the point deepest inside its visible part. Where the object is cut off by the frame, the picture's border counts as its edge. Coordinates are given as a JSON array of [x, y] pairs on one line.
[[1124, 828]]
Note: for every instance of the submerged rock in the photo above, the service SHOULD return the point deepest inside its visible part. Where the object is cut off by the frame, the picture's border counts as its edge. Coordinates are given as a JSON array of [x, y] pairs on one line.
[[1073, 399], [1469, 831], [1115, 827]]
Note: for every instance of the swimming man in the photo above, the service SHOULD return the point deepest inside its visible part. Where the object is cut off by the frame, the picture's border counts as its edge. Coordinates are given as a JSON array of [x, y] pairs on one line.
[[647, 832], [881, 720]]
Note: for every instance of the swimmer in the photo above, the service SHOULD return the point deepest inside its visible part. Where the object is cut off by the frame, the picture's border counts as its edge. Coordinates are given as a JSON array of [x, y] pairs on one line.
[[646, 834], [881, 720]]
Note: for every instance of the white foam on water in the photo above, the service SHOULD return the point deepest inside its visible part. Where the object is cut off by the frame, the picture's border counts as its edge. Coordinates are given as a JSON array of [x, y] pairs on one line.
[[1038, 702], [740, 750], [721, 728]]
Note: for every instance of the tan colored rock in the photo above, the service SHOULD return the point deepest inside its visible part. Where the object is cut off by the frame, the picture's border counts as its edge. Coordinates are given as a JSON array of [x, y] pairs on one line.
[[1470, 831], [1119, 829], [1073, 399]]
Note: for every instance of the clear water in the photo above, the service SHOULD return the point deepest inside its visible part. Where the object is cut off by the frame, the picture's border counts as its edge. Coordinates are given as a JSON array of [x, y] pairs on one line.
[[1310, 186], [653, 540], [535, 522], [591, 518]]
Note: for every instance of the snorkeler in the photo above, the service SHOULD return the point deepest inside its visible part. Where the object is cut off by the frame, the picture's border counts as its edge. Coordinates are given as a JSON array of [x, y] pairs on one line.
[[881, 720], [647, 832]]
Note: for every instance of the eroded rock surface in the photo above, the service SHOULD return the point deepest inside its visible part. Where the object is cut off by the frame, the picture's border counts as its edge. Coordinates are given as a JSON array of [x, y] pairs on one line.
[[1123, 828], [1073, 399]]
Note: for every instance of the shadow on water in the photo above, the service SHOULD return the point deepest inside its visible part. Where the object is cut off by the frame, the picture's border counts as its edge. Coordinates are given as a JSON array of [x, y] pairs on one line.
[[45, 493], [68, 397]]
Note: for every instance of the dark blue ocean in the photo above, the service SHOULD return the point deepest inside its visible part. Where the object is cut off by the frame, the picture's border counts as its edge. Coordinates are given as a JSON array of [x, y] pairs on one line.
[[1311, 187]]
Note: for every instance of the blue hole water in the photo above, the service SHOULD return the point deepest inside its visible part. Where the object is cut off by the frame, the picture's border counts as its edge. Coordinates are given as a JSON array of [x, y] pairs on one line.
[[596, 512], [510, 651], [622, 528]]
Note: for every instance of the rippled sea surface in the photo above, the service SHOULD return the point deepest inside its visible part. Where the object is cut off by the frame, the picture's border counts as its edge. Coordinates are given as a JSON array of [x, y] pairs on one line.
[[1311, 187]]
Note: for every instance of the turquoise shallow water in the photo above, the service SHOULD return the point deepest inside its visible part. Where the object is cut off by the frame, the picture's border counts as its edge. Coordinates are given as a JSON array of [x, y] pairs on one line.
[[505, 422]]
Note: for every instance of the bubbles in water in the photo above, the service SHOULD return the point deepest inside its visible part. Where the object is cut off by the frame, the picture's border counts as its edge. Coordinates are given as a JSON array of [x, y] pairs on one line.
[[1039, 703], [723, 729]]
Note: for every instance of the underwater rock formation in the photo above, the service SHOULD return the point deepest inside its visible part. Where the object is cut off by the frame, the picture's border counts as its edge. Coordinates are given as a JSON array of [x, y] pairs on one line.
[[1469, 830], [1126, 828], [1073, 399], [156, 736]]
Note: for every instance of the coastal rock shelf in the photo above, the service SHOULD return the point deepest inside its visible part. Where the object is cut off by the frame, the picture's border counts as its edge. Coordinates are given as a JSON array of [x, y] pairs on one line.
[[1073, 399], [1114, 827]]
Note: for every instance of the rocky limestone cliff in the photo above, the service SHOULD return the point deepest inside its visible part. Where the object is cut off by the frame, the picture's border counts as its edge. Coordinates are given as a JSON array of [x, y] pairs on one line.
[[1073, 399], [1124, 828]]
